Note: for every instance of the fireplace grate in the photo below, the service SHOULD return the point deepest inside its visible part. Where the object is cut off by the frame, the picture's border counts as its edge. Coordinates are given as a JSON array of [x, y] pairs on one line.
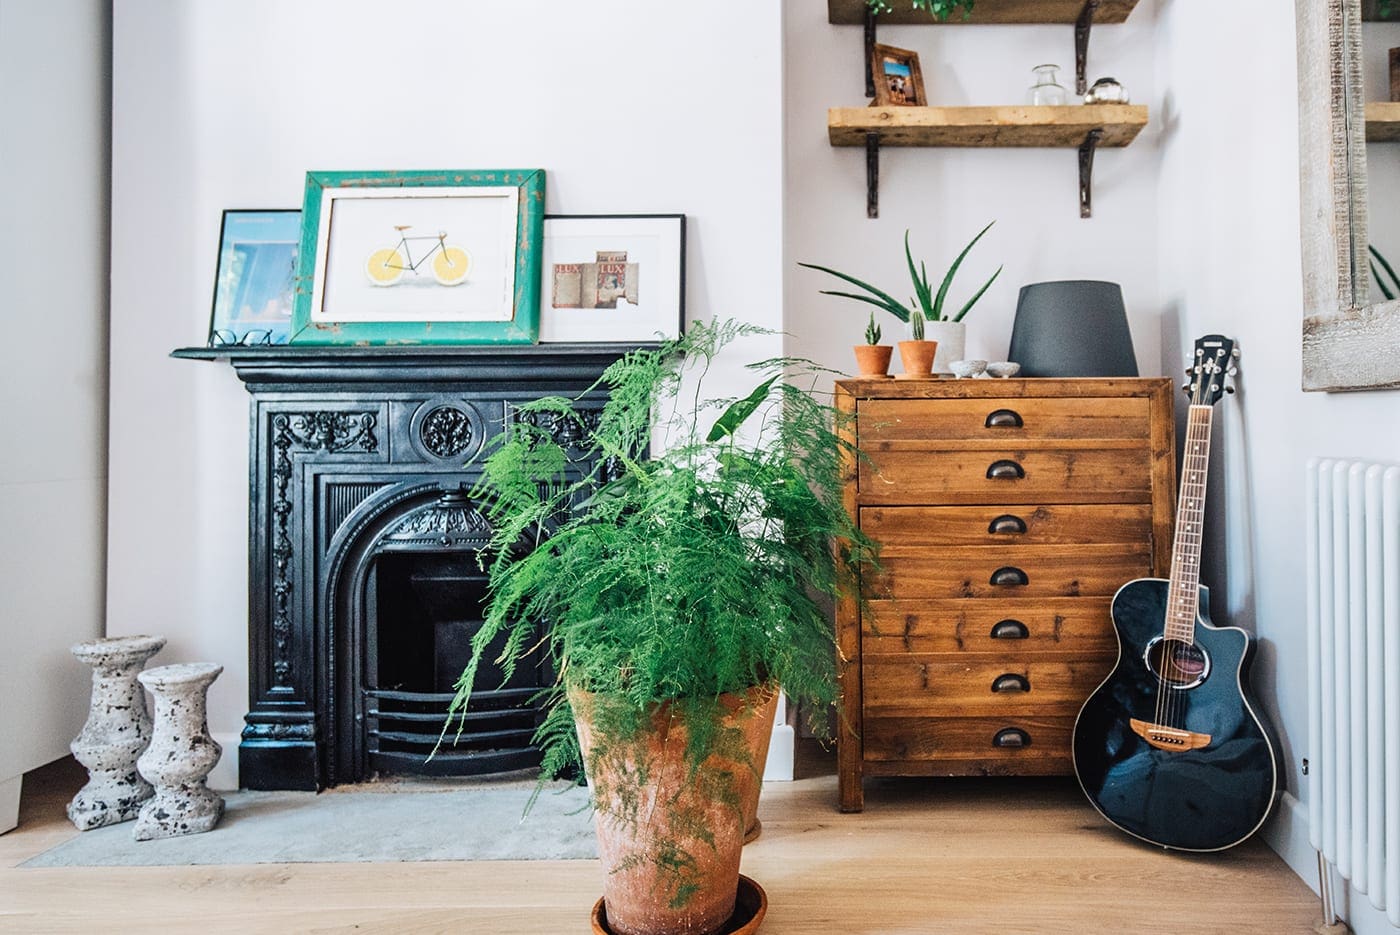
[[405, 732]]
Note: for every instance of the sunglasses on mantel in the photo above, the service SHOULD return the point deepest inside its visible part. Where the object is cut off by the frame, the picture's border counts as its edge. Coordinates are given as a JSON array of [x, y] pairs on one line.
[[222, 337]]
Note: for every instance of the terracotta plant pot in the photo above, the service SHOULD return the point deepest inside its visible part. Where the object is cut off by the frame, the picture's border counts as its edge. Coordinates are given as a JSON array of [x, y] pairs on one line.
[[917, 357], [873, 360], [650, 808]]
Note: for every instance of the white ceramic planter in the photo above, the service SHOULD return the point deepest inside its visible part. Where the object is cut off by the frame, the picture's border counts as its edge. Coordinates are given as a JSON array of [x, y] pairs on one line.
[[181, 754], [118, 729], [952, 342]]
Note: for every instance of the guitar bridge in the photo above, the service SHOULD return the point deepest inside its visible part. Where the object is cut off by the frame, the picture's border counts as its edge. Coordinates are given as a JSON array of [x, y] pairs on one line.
[[1168, 738]]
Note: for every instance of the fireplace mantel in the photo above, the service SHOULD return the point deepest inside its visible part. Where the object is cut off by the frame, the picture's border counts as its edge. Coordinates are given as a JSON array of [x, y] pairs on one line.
[[346, 445]]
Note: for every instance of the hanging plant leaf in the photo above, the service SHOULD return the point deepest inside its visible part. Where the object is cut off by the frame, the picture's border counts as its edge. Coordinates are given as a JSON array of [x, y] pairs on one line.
[[739, 410]]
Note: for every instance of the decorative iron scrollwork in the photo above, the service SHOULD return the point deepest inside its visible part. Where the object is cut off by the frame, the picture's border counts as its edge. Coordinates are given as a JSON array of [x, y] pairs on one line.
[[446, 431]]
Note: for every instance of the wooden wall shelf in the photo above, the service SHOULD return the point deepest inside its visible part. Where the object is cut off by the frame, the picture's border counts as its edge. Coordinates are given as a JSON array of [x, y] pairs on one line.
[[1382, 122], [1083, 126], [1065, 126], [1000, 12]]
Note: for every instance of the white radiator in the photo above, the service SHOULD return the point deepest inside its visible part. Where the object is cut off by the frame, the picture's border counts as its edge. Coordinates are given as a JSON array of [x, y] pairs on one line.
[[1353, 572]]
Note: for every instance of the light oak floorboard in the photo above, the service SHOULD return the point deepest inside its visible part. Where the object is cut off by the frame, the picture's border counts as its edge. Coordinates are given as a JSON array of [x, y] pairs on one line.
[[1002, 856]]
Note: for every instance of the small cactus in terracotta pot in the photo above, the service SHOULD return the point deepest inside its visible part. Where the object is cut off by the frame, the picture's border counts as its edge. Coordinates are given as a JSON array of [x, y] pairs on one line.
[[917, 353], [872, 357]]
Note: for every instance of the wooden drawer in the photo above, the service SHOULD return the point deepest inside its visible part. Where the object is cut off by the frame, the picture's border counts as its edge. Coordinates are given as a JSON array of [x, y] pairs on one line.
[[1006, 572], [1006, 475], [1008, 524], [1079, 625], [897, 421], [962, 746], [986, 685]]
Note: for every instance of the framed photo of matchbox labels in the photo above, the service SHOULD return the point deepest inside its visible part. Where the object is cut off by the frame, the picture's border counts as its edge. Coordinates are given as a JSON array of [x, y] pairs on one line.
[[899, 82], [613, 278], [255, 279], [449, 257]]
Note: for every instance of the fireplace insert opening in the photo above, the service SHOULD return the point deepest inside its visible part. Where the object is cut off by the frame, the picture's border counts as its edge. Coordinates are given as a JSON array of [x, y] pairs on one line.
[[424, 608]]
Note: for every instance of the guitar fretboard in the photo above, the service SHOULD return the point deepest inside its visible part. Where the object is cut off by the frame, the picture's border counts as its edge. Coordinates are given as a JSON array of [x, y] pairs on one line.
[[1183, 595]]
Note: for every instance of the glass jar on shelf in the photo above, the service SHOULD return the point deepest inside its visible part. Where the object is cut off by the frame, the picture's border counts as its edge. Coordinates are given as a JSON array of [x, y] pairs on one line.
[[1047, 89]]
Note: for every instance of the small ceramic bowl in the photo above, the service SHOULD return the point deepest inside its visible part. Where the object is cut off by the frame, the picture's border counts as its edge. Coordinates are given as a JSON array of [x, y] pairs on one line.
[[963, 369], [1003, 368]]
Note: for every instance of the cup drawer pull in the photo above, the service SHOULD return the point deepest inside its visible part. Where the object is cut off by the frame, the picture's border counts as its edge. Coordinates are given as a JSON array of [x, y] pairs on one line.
[[1011, 737], [1008, 577], [1005, 468], [1011, 682], [1010, 630], [1008, 525], [1004, 419]]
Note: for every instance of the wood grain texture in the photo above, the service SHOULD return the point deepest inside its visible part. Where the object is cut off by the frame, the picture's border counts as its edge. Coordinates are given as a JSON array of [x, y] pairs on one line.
[[1059, 524], [940, 685], [1056, 475], [1343, 331], [883, 420], [1383, 117], [972, 857], [963, 746], [1055, 625], [985, 12], [848, 728], [968, 571], [1014, 126]]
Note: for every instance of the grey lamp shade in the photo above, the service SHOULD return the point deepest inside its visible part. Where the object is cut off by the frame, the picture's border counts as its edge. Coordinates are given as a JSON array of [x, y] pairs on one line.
[[1072, 328]]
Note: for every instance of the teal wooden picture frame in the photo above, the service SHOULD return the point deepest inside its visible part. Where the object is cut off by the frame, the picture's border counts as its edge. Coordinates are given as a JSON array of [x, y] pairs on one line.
[[430, 257]]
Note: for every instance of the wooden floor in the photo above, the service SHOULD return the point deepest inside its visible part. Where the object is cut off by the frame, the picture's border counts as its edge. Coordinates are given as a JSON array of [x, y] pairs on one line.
[[927, 856]]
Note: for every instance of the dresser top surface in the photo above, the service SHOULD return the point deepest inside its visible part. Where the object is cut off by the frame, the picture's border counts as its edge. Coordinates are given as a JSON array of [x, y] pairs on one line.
[[1030, 387]]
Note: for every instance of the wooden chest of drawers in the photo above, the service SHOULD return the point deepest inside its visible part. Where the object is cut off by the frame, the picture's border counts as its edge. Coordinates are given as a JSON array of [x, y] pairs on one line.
[[1008, 513]]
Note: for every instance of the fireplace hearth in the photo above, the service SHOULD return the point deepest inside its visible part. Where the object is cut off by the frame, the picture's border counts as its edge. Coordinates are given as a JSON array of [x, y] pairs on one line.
[[365, 582]]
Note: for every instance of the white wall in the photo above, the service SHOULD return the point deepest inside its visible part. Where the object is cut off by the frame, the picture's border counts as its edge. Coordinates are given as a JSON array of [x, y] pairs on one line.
[[631, 106], [1228, 214], [945, 196], [53, 261]]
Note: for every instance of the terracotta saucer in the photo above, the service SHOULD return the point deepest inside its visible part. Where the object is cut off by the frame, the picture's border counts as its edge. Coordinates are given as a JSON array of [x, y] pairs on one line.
[[750, 906]]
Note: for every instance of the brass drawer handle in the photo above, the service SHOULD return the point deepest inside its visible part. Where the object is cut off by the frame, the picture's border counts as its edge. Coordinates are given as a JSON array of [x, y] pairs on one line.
[[1008, 577], [1006, 524], [1011, 737], [1005, 468], [1011, 682], [1010, 630], [1004, 419]]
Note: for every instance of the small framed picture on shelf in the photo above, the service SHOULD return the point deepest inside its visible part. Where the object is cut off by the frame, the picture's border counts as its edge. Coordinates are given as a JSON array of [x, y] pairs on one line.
[[613, 278], [255, 278], [899, 82], [433, 257]]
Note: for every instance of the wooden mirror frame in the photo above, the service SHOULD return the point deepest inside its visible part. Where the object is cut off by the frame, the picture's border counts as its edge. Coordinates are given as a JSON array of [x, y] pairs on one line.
[[1348, 343]]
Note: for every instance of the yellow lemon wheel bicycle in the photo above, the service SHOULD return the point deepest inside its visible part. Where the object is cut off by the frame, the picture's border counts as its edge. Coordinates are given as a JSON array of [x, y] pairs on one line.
[[449, 263]]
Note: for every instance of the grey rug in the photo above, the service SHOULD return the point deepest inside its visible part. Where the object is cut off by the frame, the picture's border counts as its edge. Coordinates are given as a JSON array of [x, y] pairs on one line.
[[481, 823]]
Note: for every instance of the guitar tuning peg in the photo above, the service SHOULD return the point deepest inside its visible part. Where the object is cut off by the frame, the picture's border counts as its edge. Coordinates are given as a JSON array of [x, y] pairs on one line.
[[1235, 353], [1189, 371], [1186, 388], [1231, 371], [1230, 390]]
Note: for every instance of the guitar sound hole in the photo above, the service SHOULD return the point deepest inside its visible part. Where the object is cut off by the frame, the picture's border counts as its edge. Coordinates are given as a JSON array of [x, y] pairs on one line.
[[1178, 663]]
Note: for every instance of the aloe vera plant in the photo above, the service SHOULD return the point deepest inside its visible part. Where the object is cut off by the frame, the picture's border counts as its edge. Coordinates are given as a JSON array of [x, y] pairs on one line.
[[1390, 289], [872, 331], [926, 305]]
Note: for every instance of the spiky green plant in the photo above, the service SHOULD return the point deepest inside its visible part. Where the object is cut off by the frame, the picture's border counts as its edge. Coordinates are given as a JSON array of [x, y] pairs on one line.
[[926, 304], [1391, 288], [872, 331], [671, 576], [938, 9]]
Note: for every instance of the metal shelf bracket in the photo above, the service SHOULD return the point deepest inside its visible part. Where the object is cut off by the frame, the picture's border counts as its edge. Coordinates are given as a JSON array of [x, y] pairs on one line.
[[1086, 170], [870, 52], [872, 174], [1081, 44]]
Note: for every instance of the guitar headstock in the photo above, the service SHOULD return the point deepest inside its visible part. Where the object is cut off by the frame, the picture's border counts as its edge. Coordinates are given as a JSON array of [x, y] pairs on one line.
[[1213, 361]]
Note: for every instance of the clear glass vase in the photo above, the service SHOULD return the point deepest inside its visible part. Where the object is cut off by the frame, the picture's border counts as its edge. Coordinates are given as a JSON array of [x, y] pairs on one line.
[[1047, 88]]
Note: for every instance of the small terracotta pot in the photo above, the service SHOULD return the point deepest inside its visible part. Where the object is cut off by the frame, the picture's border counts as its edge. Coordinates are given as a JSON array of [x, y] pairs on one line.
[[637, 823], [917, 357], [873, 360]]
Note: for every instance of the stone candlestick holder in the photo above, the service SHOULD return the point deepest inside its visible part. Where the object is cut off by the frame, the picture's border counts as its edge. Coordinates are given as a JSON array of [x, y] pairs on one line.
[[118, 728], [181, 754]]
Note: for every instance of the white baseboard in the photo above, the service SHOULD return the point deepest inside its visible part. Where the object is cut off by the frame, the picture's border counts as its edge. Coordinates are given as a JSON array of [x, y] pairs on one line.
[[1287, 834], [782, 750], [9, 803], [224, 776]]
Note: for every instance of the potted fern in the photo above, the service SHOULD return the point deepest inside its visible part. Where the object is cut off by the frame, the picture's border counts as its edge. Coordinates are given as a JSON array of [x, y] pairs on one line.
[[674, 591], [924, 314]]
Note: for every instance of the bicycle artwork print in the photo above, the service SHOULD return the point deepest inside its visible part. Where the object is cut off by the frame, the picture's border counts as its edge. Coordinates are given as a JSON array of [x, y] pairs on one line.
[[420, 257]]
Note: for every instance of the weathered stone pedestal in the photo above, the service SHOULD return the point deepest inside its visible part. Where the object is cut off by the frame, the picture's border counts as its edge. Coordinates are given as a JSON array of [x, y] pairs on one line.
[[118, 728], [181, 754]]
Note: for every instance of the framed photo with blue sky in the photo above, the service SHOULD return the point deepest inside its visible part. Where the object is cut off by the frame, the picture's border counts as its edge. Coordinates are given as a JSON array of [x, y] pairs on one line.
[[255, 279], [899, 81]]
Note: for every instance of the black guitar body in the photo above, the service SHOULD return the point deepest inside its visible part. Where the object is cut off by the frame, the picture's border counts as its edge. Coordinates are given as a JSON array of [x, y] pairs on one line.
[[1203, 799]]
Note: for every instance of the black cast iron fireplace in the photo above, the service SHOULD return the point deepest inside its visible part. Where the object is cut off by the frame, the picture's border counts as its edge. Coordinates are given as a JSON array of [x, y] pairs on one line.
[[365, 584]]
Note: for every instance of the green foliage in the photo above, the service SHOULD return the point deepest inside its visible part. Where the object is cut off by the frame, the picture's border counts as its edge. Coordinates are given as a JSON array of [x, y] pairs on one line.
[[676, 575], [1388, 284], [938, 9], [926, 304], [872, 331]]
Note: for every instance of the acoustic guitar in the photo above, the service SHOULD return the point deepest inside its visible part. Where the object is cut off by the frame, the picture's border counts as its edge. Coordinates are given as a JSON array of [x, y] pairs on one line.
[[1170, 748]]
